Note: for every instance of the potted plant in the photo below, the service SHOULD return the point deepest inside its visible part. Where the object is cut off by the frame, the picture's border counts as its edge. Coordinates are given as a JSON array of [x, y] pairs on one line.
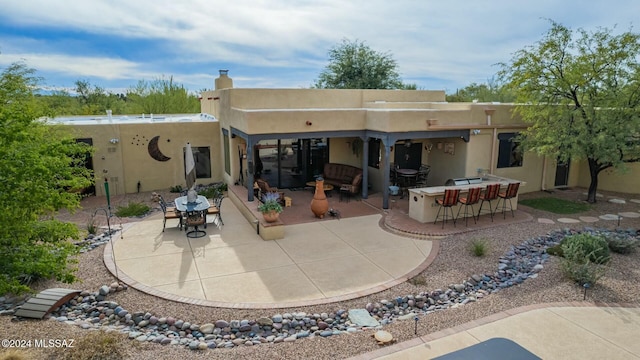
[[270, 207]]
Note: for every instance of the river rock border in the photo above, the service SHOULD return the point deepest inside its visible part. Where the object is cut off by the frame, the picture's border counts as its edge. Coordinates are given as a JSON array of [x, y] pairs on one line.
[[92, 310]]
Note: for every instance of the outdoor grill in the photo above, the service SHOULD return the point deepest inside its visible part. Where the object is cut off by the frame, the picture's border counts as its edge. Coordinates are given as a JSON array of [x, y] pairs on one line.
[[463, 181]]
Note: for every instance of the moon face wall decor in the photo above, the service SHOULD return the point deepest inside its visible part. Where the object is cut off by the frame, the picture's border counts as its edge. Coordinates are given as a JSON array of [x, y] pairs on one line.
[[154, 150]]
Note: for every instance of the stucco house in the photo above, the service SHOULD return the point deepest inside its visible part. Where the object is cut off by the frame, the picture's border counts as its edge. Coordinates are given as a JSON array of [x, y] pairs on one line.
[[287, 135]]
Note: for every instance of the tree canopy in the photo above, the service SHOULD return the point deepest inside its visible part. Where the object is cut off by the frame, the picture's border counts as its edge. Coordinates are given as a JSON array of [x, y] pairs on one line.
[[491, 91], [40, 167], [580, 93], [354, 65]]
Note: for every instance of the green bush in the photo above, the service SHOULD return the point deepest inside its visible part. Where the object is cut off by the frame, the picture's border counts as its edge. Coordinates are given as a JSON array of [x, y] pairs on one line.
[[479, 247], [622, 244], [555, 250], [132, 209], [583, 272], [176, 189], [582, 248]]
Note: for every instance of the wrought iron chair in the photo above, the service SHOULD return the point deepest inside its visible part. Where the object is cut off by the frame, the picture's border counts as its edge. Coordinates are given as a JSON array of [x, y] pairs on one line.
[[448, 202], [490, 194], [472, 198], [214, 209], [195, 219], [510, 193], [423, 174], [170, 212]]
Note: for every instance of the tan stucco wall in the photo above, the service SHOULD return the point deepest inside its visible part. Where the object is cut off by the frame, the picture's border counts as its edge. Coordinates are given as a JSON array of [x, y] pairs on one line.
[[128, 161], [624, 180]]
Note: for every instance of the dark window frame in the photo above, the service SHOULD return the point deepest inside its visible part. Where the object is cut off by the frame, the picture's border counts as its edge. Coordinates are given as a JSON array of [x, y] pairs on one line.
[[509, 151]]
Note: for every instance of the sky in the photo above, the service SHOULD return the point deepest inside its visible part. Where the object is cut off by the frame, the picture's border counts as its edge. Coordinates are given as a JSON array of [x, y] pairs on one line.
[[437, 44]]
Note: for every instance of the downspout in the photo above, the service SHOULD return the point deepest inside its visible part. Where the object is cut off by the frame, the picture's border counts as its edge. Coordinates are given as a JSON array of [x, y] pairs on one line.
[[544, 174], [494, 138]]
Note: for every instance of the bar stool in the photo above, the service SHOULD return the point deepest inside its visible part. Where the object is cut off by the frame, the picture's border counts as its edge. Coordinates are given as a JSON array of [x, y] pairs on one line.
[[490, 194], [472, 198], [510, 193], [450, 200]]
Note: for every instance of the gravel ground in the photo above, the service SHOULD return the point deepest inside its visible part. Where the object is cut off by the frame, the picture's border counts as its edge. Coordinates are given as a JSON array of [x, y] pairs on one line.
[[453, 264]]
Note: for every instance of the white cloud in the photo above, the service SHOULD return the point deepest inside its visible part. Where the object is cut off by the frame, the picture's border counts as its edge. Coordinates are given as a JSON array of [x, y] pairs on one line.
[[457, 41]]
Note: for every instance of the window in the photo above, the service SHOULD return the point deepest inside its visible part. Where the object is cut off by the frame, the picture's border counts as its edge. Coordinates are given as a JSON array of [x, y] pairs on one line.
[[374, 153], [202, 157], [509, 151]]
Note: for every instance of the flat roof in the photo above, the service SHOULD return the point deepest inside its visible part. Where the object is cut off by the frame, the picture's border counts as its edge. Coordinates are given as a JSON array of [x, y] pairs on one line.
[[130, 119]]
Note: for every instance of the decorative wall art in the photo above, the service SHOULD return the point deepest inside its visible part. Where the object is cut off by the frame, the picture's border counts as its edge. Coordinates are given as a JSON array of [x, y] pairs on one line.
[[154, 150], [449, 148]]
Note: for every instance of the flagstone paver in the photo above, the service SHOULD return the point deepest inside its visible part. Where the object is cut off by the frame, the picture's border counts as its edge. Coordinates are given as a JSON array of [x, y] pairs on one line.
[[568, 221], [609, 217], [617, 201], [545, 221], [629, 214], [588, 219], [637, 201]]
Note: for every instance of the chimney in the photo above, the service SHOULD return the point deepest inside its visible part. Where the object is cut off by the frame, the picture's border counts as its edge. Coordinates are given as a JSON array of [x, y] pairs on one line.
[[224, 81]]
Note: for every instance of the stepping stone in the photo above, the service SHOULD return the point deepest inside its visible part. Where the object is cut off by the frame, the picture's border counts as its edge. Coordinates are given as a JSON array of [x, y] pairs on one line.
[[588, 219], [597, 195], [609, 217], [361, 317], [568, 221], [637, 201], [617, 201], [545, 221], [629, 214]]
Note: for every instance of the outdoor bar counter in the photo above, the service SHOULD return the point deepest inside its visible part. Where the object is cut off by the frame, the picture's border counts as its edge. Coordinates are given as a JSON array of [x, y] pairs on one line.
[[422, 201]]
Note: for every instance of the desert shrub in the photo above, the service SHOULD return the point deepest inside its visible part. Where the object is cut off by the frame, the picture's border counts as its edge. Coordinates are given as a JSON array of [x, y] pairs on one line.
[[418, 281], [15, 354], [92, 226], [622, 244], [176, 189], [555, 250], [479, 247], [583, 272], [101, 345], [132, 209], [586, 247], [583, 255]]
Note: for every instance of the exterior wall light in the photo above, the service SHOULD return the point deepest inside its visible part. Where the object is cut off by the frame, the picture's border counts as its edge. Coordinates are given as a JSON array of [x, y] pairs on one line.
[[114, 140]]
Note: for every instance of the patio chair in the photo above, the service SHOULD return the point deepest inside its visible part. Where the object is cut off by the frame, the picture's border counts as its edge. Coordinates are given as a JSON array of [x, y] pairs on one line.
[[214, 209], [169, 212], [490, 194], [195, 219], [472, 198], [423, 174], [448, 202], [510, 193], [265, 188]]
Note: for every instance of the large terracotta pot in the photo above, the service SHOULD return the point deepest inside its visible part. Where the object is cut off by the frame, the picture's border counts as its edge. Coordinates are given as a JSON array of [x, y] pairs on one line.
[[319, 203], [271, 216]]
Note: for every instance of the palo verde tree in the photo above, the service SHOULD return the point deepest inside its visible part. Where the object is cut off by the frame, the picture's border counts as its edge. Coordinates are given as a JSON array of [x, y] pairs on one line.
[[354, 65], [162, 96], [40, 166], [580, 93]]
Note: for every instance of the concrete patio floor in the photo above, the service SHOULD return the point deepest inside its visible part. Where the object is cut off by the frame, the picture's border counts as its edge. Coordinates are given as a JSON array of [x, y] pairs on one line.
[[318, 262], [578, 330]]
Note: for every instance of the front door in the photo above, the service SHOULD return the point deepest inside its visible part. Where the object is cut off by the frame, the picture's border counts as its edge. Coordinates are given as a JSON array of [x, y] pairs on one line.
[[562, 174]]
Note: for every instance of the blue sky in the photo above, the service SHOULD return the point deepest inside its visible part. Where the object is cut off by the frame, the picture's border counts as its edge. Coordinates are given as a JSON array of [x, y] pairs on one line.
[[439, 45]]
